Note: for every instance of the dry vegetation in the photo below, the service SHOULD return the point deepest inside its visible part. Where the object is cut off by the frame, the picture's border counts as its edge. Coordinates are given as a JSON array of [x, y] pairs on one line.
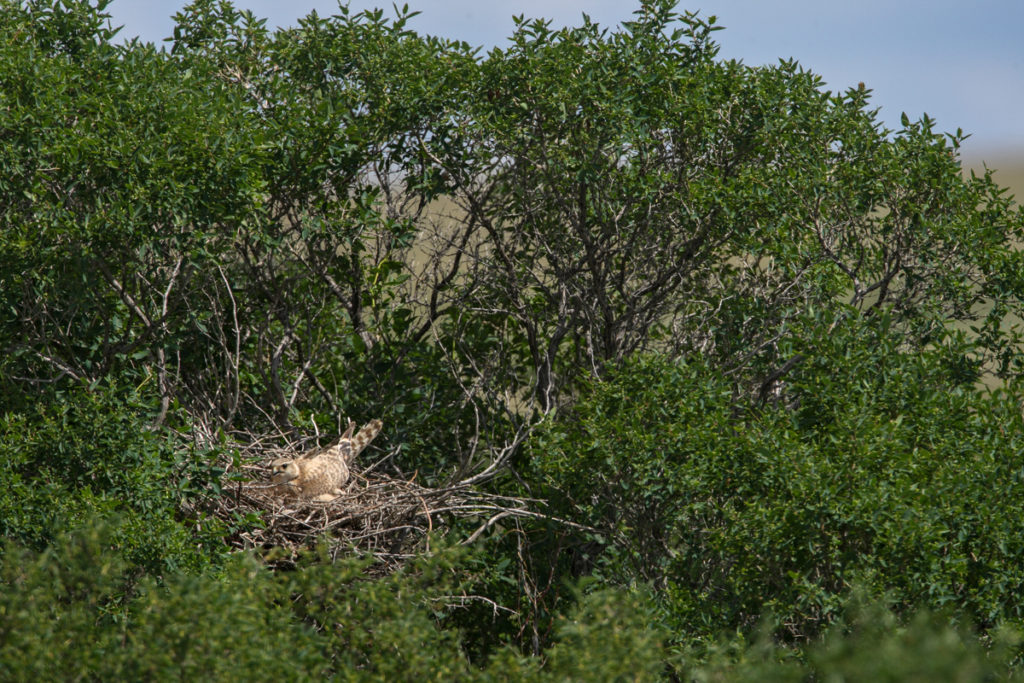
[[1009, 167]]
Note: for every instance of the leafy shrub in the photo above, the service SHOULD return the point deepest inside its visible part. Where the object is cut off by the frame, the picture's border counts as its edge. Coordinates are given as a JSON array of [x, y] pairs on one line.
[[892, 472], [611, 635], [726, 293], [88, 452], [78, 610], [870, 643]]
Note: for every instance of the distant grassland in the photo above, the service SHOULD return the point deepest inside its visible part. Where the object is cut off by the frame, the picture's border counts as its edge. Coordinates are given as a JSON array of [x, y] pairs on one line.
[[1008, 166], [1009, 172]]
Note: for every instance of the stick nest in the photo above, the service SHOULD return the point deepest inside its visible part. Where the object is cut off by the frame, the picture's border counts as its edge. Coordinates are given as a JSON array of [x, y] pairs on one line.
[[387, 516]]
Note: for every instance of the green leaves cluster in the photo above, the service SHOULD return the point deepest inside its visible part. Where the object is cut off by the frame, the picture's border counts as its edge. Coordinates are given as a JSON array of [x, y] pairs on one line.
[[77, 610], [891, 473], [88, 452]]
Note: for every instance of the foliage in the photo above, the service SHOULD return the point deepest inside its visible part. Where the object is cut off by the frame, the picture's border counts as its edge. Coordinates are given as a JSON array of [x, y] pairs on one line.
[[636, 193], [76, 611], [734, 347], [603, 639], [85, 452], [166, 226], [871, 643], [892, 473]]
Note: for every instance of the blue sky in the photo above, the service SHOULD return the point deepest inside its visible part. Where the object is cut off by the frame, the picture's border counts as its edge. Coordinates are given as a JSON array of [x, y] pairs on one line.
[[961, 62]]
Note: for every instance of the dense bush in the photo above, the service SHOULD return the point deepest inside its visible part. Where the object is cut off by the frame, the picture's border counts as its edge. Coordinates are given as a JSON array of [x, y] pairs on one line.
[[888, 471], [77, 610], [716, 347], [86, 451], [870, 644]]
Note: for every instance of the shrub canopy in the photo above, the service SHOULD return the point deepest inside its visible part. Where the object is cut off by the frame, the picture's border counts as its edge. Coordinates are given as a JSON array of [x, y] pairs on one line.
[[716, 346]]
